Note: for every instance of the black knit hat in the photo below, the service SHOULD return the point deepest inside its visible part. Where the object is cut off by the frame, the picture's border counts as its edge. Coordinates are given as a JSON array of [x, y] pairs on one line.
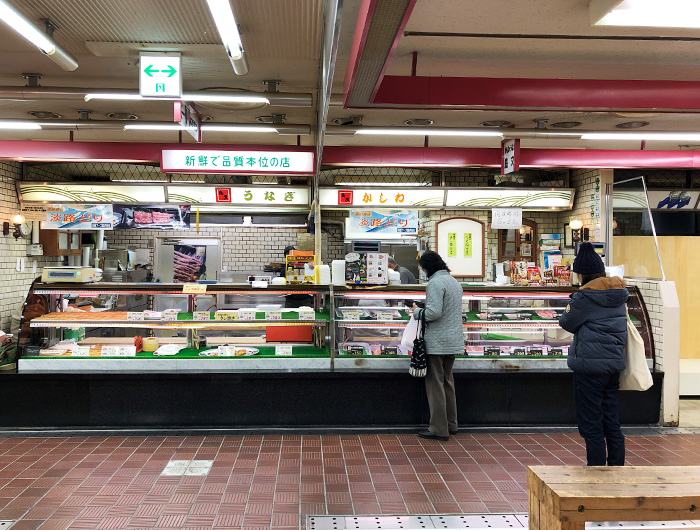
[[587, 260]]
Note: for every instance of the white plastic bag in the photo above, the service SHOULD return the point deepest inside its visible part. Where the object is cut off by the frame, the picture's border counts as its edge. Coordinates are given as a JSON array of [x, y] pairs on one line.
[[409, 334], [636, 374]]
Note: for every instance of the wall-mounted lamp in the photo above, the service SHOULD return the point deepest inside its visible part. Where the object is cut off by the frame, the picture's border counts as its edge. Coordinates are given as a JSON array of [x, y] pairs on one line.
[[576, 226], [5, 228], [18, 220]]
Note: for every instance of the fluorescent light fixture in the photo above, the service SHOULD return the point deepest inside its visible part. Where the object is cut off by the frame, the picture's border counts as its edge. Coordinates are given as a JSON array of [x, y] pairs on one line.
[[413, 131], [228, 31], [154, 127], [9, 125], [190, 96], [238, 128], [649, 13], [378, 185], [38, 38], [660, 136]]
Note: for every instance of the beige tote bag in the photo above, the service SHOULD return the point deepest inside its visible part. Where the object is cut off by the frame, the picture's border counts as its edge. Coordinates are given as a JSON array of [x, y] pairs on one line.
[[636, 375]]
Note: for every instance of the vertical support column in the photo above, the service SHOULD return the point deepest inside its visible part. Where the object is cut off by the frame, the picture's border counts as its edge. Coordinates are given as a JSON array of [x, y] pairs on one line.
[[606, 177], [671, 334], [191, 332]]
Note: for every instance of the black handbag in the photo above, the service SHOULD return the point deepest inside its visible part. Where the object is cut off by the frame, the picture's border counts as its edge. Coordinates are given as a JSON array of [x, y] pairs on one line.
[[419, 356]]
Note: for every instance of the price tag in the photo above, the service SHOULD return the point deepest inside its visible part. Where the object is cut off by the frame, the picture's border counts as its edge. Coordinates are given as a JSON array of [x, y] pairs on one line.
[[126, 351], [353, 314], [81, 351], [194, 288], [200, 316], [227, 351], [135, 316], [385, 315], [273, 315], [307, 315], [169, 316], [109, 351], [246, 314], [283, 349], [226, 316]]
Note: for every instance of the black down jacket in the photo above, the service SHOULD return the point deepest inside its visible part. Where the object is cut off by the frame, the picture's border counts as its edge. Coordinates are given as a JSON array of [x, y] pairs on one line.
[[597, 318]]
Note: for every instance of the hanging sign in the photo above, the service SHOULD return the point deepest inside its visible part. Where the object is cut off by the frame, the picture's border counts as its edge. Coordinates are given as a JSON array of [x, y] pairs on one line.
[[244, 195], [394, 197], [246, 161], [391, 224], [78, 217], [658, 199], [510, 156], [160, 74], [506, 218], [187, 116]]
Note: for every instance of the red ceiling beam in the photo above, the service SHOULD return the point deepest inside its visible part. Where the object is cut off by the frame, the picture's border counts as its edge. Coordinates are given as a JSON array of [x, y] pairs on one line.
[[437, 157], [358, 44], [344, 156], [538, 94]]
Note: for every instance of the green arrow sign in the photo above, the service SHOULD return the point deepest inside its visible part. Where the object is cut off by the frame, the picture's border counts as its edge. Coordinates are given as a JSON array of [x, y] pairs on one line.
[[149, 70]]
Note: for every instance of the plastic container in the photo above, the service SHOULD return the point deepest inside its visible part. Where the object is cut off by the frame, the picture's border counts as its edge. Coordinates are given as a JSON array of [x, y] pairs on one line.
[[394, 277], [150, 344], [338, 270], [324, 274]]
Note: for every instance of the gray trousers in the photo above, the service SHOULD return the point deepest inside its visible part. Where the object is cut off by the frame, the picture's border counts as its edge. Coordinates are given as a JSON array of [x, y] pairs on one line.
[[440, 387]]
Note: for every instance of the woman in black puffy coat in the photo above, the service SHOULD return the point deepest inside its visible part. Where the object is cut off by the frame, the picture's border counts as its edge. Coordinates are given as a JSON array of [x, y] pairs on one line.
[[597, 317]]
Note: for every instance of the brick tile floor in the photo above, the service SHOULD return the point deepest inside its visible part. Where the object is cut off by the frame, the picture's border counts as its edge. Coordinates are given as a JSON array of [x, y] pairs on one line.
[[273, 482]]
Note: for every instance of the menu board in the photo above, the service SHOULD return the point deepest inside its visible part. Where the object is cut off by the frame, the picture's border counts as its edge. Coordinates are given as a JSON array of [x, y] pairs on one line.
[[367, 268]]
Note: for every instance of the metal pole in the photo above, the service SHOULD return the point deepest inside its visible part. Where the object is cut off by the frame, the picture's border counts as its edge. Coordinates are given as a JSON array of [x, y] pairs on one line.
[[609, 223], [653, 230]]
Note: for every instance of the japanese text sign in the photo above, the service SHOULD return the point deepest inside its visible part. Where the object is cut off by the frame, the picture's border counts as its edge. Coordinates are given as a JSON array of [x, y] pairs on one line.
[[160, 74], [245, 195], [78, 217], [382, 197], [506, 218], [510, 156], [185, 114], [236, 161]]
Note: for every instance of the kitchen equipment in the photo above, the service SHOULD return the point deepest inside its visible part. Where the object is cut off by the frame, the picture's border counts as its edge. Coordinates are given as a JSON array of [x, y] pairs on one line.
[[71, 274]]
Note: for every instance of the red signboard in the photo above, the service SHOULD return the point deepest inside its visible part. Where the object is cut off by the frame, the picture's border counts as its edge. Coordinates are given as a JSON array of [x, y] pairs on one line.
[[345, 197], [223, 194]]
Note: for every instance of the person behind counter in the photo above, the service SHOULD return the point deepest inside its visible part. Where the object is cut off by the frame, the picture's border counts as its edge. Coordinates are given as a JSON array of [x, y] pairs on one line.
[[596, 316], [296, 300], [406, 275], [444, 340]]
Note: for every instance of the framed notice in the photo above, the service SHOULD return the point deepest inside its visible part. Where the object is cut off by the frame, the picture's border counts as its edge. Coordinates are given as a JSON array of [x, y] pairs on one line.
[[460, 242]]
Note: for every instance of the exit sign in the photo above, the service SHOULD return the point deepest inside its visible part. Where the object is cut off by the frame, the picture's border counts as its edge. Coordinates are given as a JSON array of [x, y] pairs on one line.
[[160, 75]]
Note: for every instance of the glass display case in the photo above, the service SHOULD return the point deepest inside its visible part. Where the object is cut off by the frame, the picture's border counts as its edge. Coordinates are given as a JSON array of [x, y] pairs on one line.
[[101, 327], [505, 328]]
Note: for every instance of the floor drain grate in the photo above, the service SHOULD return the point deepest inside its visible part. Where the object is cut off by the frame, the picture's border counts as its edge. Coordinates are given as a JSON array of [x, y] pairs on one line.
[[455, 522], [199, 468]]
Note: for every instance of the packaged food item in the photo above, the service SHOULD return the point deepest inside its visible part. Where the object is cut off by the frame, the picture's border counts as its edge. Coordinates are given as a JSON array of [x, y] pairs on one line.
[[150, 344], [375, 349]]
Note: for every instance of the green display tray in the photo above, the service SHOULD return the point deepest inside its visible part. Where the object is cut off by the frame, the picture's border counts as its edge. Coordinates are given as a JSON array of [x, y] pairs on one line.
[[298, 352], [260, 315]]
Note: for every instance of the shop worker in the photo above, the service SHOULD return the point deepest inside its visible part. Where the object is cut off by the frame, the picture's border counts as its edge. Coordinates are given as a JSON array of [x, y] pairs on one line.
[[444, 340], [406, 275], [295, 300], [597, 317]]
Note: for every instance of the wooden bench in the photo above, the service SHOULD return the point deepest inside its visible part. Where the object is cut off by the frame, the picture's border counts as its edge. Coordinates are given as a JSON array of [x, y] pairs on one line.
[[566, 497]]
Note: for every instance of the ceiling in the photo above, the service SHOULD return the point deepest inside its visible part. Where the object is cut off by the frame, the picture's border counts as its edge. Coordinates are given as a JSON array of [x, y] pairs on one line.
[[283, 40]]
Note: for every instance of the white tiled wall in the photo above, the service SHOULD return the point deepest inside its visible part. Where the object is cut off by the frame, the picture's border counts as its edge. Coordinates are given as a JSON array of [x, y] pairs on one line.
[[14, 284]]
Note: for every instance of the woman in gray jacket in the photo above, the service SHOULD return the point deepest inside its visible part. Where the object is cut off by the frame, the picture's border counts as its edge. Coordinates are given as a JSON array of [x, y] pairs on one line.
[[444, 339]]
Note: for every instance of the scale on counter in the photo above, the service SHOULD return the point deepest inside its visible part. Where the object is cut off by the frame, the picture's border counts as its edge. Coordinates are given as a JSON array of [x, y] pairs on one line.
[[71, 274]]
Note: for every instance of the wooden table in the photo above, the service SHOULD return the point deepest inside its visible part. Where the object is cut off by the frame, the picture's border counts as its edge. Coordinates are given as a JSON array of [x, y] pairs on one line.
[[565, 497]]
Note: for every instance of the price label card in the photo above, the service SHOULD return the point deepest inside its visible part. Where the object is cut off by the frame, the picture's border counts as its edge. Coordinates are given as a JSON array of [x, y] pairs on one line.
[[246, 314], [353, 314], [135, 316], [169, 316], [385, 315], [126, 351], [227, 351], [226, 316], [273, 315], [307, 315], [200, 316], [283, 349], [109, 351], [81, 351], [194, 288]]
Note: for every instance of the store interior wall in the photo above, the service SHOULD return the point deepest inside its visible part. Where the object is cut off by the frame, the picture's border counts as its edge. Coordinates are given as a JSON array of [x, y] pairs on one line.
[[15, 284]]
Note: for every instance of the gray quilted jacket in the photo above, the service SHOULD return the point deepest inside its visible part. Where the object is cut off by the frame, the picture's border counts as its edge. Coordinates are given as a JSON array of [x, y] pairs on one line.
[[444, 334]]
